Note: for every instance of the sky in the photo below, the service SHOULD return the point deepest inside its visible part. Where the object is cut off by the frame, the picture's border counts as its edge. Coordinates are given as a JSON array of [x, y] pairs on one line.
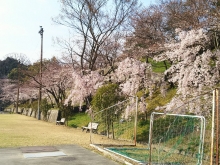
[[20, 22]]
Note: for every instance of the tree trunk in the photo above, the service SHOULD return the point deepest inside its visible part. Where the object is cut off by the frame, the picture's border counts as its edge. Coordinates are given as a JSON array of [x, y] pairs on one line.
[[18, 91], [113, 132], [165, 64]]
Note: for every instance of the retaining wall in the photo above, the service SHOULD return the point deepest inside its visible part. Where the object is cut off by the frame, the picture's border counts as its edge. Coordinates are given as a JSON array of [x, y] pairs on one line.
[[50, 117]]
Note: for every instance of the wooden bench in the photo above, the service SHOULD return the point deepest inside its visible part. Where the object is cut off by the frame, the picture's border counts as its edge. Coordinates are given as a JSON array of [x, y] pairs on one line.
[[61, 122], [91, 126]]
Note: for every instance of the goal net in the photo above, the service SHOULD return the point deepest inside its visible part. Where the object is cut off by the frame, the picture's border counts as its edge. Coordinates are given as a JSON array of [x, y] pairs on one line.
[[176, 139]]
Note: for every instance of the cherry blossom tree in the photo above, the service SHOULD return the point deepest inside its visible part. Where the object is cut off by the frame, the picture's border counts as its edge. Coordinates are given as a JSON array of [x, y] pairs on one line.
[[195, 65], [131, 74], [15, 65], [56, 80], [83, 85], [8, 92]]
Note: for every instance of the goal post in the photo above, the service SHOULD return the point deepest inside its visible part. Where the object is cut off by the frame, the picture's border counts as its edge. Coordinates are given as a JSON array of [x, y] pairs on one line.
[[173, 138]]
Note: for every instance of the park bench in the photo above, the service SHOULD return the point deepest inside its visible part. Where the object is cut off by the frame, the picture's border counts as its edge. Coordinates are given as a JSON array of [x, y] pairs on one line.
[[91, 126], [61, 122]]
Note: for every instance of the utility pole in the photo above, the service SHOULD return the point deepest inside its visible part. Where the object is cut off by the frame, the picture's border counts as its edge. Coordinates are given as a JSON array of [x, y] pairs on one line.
[[41, 57]]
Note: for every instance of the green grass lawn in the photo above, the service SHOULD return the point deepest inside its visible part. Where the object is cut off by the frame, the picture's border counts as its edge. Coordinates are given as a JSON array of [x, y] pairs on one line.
[[159, 67], [79, 119], [143, 154]]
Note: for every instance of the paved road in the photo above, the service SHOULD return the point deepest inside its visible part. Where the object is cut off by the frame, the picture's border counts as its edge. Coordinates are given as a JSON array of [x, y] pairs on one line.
[[53, 155]]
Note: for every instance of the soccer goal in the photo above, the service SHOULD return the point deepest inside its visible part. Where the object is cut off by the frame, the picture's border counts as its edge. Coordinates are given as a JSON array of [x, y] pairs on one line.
[[116, 124], [176, 139]]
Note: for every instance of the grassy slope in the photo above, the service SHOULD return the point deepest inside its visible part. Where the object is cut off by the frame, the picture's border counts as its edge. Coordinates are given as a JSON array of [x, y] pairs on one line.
[[158, 67], [79, 120]]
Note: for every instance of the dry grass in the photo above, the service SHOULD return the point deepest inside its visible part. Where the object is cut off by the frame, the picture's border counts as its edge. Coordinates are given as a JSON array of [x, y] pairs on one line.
[[18, 130]]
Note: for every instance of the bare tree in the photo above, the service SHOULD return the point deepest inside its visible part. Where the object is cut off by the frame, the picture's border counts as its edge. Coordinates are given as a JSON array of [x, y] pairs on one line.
[[67, 48], [149, 34], [193, 14], [214, 22], [93, 22], [109, 51], [186, 14]]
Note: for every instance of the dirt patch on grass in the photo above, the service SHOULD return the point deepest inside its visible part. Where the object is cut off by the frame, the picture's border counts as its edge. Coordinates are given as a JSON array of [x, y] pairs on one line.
[[19, 131]]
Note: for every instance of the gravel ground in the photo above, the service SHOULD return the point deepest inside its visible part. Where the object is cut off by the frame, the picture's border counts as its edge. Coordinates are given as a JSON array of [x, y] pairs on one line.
[[19, 131]]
